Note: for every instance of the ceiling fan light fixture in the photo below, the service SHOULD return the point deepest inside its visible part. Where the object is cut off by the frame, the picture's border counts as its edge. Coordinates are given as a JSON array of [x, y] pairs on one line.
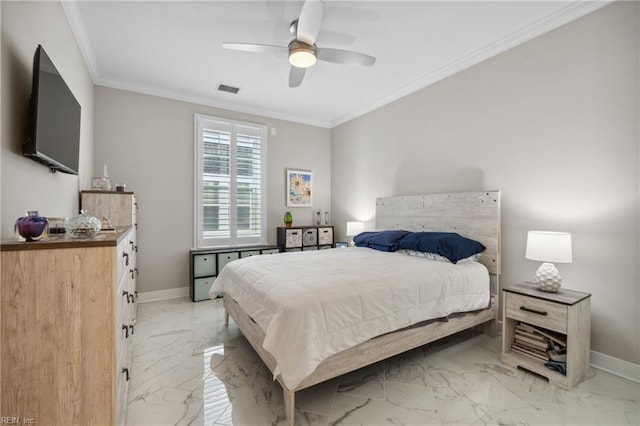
[[302, 55]]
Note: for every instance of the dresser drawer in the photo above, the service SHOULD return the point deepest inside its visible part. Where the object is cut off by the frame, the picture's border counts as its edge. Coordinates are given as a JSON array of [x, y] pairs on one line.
[[124, 258], [543, 313]]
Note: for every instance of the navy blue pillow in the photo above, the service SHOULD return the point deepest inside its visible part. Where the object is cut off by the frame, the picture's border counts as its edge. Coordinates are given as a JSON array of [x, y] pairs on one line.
[[380, 240], [448, 244]]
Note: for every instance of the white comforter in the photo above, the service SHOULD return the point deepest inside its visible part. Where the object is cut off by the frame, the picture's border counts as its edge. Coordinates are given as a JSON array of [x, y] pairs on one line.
[[312, 305]]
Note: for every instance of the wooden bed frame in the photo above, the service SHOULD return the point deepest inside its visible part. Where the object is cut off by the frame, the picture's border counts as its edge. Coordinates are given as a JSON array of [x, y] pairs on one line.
[[475, 215]]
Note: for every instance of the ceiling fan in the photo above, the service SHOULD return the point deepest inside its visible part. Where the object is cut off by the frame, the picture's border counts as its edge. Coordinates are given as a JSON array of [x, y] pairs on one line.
[[302, 50]]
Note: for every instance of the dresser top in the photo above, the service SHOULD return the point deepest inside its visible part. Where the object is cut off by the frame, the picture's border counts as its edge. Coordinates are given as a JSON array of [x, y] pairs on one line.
[[563, 295], [95, 191], [57, 241]]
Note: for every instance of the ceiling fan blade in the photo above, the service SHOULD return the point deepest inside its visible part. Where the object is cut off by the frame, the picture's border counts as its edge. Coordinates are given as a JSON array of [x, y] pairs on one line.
[[250, 47], [309, 21], [345, 57], [295, 76]]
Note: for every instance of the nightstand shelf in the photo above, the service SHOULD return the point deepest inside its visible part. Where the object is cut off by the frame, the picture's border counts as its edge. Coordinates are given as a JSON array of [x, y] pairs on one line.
[[566, 312]]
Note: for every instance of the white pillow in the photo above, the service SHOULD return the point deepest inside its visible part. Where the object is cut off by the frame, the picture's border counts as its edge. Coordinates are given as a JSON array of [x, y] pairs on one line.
[[436, 256]]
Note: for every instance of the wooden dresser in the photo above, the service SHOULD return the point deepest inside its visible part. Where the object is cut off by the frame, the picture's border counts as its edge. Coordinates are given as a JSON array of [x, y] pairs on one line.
[[68, 314]]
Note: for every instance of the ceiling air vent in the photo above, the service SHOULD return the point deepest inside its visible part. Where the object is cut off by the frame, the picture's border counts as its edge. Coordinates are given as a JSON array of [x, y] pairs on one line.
[[230, 89]]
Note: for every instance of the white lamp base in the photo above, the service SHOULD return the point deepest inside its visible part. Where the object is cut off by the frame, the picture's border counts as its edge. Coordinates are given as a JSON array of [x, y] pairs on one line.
[[548, 278]]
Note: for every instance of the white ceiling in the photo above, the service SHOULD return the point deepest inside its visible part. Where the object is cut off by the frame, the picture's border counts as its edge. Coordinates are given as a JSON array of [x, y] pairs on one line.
[[173, 49]]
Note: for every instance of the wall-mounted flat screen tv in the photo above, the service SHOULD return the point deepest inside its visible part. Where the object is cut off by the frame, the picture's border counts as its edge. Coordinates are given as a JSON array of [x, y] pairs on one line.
[[54, 134]]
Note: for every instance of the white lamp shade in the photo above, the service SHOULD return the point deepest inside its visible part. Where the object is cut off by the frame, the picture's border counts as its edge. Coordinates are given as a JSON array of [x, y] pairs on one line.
[[545, 246], [354, 228]]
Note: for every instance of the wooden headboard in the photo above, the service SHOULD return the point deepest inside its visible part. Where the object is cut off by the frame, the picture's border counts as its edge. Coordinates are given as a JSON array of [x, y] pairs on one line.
[[474, 215]]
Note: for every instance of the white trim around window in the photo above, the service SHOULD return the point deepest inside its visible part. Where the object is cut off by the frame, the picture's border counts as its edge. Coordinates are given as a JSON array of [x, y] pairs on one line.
[[230, 182]]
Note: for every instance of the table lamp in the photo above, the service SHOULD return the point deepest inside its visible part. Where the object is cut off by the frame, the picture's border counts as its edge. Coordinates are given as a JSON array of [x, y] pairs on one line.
[[549, 248], [354, 228]]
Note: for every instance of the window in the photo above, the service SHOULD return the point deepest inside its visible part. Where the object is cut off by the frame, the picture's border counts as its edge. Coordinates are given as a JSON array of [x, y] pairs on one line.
[[230, 182]]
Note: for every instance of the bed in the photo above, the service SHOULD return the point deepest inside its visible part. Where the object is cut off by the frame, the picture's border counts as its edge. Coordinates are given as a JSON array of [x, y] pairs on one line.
[[312, 316]]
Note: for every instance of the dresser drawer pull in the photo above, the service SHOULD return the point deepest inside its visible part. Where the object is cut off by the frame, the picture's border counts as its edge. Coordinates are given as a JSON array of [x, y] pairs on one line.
[[125, 371], [131, 327], [132, 272], [126, 255], [131, 298], [533, 311], [126, 331]]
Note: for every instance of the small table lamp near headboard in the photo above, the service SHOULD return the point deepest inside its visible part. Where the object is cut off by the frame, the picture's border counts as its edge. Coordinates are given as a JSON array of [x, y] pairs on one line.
[[549, 248]]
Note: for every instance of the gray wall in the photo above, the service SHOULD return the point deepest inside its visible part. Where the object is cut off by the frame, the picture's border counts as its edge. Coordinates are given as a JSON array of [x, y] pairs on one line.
[[553, 123], [147, 142], [27, 185]]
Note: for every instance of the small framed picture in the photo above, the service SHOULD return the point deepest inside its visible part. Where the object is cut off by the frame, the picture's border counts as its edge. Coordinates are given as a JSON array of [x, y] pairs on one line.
[[299, 188]]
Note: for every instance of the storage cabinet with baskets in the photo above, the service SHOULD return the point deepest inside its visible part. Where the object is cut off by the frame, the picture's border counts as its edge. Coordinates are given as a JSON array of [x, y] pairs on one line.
[[206, 264], [305, 238]]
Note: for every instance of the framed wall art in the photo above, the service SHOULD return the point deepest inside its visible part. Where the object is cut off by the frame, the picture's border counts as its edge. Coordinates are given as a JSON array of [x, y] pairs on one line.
[[299, 188]]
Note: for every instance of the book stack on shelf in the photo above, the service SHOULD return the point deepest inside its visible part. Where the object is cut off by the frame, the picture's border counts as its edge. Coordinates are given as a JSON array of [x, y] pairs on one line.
[[541, 344]]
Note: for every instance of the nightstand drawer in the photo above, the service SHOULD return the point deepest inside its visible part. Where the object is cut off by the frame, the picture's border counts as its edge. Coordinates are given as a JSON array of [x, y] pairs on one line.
[[542, 313]]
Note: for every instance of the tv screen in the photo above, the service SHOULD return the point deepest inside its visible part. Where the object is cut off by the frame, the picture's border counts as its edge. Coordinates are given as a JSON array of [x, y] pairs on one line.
[[55, 119]]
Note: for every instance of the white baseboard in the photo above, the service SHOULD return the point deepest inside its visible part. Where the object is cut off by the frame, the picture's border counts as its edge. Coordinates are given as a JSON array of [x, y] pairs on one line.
[[154, 296], [619, 367]]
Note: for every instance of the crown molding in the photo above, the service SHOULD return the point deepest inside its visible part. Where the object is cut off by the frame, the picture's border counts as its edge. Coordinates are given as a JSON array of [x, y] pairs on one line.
[[80, 33], [565, 15], [206, 101], [541, 26]]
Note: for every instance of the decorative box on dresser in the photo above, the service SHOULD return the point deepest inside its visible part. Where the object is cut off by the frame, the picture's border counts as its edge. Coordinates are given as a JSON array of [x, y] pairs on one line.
[[68, 315], [567, 313]]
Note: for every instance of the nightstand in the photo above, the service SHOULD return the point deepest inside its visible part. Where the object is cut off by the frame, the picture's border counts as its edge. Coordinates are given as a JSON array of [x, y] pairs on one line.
[[567, 314]]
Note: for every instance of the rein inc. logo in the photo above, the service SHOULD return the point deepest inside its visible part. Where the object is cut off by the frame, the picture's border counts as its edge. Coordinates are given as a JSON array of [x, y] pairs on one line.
[[6, 420]]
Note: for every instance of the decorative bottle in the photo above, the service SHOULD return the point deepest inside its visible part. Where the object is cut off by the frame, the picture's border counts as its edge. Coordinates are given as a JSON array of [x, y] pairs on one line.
[[32, 227]]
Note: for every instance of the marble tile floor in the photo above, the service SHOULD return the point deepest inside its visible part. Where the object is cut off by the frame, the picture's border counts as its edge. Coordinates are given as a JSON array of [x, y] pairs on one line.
[[189, 369]]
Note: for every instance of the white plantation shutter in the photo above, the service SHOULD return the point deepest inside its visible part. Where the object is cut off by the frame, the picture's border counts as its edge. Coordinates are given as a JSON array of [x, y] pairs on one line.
[[230, 182]]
